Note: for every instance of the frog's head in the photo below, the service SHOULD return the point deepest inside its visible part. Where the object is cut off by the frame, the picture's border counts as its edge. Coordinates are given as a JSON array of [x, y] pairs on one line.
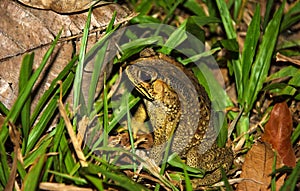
[[142, 78]]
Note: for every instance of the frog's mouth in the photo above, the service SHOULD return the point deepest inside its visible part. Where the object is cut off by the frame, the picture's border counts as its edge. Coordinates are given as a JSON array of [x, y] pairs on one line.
[[143, 88]]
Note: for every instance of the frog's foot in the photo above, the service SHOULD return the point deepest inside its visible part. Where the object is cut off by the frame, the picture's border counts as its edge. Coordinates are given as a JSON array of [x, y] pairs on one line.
[[211, 161], [208, 179]]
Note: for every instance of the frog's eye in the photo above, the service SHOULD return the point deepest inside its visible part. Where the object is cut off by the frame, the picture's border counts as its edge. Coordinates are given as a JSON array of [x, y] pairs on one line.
[[145, 76]]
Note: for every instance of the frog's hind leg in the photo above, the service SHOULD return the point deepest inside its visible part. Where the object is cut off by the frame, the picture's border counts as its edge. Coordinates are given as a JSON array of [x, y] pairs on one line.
[[210, 161]]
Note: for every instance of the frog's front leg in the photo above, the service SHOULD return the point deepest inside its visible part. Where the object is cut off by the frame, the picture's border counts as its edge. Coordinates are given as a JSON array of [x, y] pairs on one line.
[[138, 121], [211, 161], [164, 114]]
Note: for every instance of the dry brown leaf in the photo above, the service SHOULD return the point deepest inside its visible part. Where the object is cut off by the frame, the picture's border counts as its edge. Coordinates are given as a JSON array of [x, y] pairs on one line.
[[283, 58], [62, 6], [278, 132], [257, 168], [61, 187], [24, 29]]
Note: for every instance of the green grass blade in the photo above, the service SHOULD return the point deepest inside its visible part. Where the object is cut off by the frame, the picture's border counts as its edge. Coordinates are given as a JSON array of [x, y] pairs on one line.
[[54, 147], [51, 90], [194, 7], [4, 168], [215, 91], [69, 177], [122, 112], [100, 57], [231, 34], [171, 9], [111, 23], [3, 109], [226, 19], [105, 113], [118, 178], [79, 69], [41, 149], [291, 17], [130, 132], [96, 181], [262, 63], [250, 45], [290, 183], [25, 74], [266, 17], [175, 39], [16, 108], [48, 113], [288, 71], [238, 9], [188, 184], [32, 179], [296, 134]]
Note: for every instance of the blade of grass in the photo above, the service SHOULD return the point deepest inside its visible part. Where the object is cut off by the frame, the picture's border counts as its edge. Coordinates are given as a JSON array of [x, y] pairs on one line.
[[176, 38], [54, 148], [262, 63], [231, 34], [95, 76], [250, 49], [290, 183], [25, 73], [31, 180], [3, 109], [188, 184], [79, 69], [52, 89], [69, 177], [105, 113], [131, 138], [170, 11], [98, 63], [291, 17], [96, 181], [39, 151], [238, 10], [4, 168], [47, 115], [66, 157], [266, 17], [118, 178], [284, 72], [194, 7], [16, 108]]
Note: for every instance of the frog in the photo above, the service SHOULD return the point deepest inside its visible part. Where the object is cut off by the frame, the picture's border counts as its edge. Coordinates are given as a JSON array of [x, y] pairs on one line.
[[180, 111]]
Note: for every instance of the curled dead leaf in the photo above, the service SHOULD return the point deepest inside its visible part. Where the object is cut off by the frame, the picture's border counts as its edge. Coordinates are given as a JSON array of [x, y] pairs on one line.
[[278, 132], [62, 6]]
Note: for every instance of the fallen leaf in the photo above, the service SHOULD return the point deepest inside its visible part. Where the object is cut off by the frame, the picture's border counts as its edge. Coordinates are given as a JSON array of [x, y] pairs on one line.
[[278, 132], [62, 6], [283, 58], [257, 168], [24, 30]]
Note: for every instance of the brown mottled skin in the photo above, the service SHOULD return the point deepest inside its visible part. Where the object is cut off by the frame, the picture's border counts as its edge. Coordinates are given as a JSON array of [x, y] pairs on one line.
[[179, 108]]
